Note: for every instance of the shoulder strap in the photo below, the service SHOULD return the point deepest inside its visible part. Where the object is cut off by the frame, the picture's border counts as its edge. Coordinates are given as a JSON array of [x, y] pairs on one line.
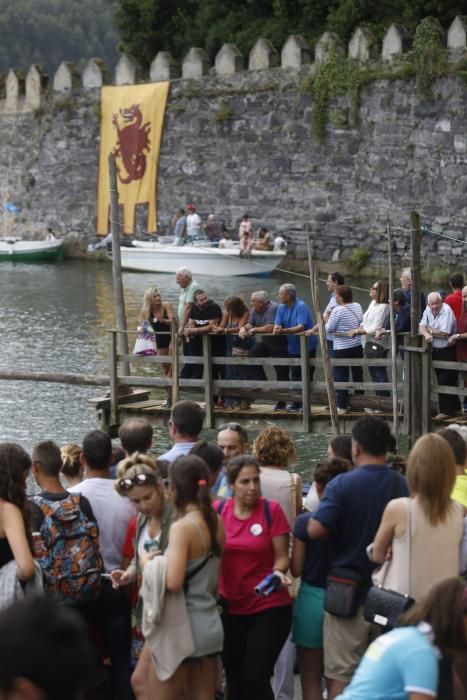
[[220, 506], [267, 512]]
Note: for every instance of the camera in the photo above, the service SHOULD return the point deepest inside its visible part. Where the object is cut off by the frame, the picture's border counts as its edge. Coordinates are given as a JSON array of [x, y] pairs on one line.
[[268, 585]]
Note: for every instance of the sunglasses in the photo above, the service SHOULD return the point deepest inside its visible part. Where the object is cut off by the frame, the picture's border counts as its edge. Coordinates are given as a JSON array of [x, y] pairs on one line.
[[236, 427], [139, 480]]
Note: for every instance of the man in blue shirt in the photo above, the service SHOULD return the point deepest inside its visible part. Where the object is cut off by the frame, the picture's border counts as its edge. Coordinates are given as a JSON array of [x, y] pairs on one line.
[[293, 317], [350, 513]]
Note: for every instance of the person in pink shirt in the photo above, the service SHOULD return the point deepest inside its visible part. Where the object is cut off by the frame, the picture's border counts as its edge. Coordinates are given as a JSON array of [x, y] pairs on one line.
[[255, 625], [454, 300]]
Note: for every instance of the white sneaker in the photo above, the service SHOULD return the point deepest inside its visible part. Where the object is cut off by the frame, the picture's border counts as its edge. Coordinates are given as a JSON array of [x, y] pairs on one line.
[[369, 410], [341, 411]]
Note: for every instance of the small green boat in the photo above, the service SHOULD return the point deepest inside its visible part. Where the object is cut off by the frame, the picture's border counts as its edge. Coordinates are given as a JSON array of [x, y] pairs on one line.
[[16, 250]]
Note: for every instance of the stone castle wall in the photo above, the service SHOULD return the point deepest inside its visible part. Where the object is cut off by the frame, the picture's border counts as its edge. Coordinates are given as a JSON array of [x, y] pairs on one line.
[[239, 140]]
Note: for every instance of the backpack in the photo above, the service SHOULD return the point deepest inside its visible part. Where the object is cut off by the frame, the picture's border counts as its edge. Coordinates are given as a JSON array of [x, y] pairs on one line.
[[68, 551]]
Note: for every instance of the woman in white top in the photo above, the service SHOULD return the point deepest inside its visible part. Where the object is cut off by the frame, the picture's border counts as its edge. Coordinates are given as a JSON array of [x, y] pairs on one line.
[[375, 317], [435, 521]]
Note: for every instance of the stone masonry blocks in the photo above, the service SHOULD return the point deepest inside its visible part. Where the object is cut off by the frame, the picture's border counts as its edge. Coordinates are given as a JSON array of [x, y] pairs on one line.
[[263, 55], [229, 60], [295, 52], [196, 64]]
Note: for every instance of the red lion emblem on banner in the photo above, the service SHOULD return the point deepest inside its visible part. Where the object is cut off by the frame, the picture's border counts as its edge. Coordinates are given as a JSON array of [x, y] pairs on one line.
[[133, 143]]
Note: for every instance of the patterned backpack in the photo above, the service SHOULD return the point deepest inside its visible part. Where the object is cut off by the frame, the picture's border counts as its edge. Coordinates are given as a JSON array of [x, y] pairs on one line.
[[67, 549]]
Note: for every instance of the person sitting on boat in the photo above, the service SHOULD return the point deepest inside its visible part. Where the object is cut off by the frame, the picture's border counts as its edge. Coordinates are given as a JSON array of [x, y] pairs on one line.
[[193, 223], [246, 236], [264, 241], [50, 236], [226, 241]]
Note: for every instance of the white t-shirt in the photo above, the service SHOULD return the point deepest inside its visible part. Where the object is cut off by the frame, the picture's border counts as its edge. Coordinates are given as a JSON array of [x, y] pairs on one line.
[[113, 514], [193, 225]]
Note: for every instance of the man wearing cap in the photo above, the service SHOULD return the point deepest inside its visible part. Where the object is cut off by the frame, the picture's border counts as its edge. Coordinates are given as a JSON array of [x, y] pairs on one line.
[[193, 223]]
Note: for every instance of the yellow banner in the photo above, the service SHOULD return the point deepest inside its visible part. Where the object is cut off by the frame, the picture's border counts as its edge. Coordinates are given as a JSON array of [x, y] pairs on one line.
[[132, 118]]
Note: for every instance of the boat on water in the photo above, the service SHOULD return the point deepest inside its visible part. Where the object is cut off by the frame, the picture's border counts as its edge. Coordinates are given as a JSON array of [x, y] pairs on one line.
[[14, 249], [200, 257]]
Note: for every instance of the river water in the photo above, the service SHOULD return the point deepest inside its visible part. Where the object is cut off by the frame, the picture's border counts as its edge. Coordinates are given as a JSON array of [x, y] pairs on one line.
[[54, 318]]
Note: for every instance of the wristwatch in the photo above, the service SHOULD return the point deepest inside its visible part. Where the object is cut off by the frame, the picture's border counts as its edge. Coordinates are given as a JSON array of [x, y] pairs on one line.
[[458, 335]]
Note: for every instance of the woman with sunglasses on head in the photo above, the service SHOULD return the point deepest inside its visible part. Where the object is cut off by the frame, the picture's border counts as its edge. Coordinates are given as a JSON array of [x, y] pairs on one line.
[[193, 564], [256, 625], [138, 480], [159, 314]]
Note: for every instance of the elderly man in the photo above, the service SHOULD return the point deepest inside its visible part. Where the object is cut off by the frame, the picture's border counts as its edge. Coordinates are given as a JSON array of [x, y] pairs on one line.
[[261, 320], [293, 316], [406, 284], [188, 286], [438, 324]]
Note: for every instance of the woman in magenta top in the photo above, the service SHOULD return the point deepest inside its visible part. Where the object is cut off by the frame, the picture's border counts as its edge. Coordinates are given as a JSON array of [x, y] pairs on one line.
[[255, 626]]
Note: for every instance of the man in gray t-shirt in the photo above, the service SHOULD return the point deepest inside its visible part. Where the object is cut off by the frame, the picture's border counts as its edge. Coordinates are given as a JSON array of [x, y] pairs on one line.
[[261, 321]]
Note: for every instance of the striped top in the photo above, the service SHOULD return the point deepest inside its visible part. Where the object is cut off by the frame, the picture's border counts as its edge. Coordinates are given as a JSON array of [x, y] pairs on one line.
[[344, 318]]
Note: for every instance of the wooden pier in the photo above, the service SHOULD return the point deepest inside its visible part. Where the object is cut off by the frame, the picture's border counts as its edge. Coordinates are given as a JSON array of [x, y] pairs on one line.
[[146, 393]]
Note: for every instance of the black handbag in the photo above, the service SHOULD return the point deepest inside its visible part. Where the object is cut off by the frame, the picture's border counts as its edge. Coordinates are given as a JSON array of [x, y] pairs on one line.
[[342, 595], [373, 350], [383, 606]]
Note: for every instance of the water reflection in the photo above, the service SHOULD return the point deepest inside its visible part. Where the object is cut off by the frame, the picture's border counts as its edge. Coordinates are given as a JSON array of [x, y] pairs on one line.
[[53, 318]]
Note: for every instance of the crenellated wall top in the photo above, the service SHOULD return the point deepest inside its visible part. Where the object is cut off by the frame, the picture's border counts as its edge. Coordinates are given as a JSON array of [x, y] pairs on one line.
[[20, 92]]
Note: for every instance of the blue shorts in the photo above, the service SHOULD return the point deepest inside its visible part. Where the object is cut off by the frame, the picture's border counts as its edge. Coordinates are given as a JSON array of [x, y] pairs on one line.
[[308, 616]]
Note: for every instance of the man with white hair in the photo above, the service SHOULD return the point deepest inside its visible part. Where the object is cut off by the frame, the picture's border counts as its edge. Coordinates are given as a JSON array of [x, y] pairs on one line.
[[406, 284], [293, 317], [261, 320], [188, 286], [438, 324]]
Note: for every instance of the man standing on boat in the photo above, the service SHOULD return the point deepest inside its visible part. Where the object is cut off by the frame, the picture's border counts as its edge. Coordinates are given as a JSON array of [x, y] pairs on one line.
[[293, 317], [193, 223]]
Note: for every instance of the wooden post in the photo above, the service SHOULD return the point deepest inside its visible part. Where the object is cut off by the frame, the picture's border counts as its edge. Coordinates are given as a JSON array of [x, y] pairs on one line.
[[207, 374], [175, 361], [426, 392], [305, 367], [415, 377], [119, 299], [113, 379], [328, 378], [395, 424]]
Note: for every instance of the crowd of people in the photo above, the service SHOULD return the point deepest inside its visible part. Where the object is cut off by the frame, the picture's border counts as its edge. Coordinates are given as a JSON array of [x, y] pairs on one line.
[[270, 328], [201, 573]]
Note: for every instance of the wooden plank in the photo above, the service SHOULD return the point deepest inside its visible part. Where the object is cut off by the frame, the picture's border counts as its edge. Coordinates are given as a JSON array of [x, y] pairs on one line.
[[305, 382], [208, 386], [113, 379]]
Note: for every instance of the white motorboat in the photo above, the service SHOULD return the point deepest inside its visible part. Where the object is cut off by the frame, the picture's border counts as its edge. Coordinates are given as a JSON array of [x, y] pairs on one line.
[[201, 258]]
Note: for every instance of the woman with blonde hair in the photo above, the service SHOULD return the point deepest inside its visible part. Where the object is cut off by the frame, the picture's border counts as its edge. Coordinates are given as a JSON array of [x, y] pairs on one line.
[[424, 531], [138, 480], [159, 315], [72, 469]]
